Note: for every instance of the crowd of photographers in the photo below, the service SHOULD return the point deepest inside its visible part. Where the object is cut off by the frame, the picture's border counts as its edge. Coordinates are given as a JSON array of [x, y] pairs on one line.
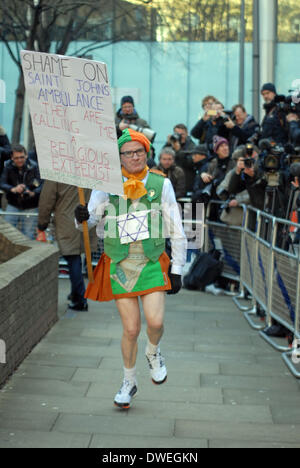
[[235, 160], [239, 161]]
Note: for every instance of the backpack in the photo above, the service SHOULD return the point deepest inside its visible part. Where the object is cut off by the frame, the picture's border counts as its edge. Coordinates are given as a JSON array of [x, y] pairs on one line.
[[205, 269]]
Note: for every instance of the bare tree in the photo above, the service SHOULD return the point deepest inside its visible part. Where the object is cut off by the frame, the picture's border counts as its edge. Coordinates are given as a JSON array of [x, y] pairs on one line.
[[44, 25]]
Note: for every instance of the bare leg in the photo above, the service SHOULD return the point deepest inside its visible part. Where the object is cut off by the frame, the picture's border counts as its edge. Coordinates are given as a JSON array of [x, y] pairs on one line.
[[131, 318], [154, 308]]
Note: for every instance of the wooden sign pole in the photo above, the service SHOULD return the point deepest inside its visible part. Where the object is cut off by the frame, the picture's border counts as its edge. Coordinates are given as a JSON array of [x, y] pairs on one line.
[[86, 239]]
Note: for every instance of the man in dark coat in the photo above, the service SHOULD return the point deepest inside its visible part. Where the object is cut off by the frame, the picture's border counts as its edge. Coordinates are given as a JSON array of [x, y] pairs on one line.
[[274, 123], [61, 200], [241, 128], [22, 185], [174, 173], [183, 145], [128, 115]]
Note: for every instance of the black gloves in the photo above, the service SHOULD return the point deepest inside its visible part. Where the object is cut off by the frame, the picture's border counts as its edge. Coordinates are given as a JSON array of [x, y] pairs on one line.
[[42, 227], [176, 283], [82, 213]]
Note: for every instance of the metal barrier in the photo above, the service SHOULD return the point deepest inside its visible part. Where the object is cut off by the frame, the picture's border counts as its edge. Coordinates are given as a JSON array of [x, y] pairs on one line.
[[227, 239]]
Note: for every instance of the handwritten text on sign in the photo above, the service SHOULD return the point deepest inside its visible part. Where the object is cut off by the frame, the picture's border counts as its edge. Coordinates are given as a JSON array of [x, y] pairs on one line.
[[73, 122]]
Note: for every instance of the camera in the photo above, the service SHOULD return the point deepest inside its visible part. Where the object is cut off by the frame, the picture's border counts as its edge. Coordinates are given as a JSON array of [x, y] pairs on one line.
[[288, 104], [293, 154], [147, 132], [272, 154], [176, 137]]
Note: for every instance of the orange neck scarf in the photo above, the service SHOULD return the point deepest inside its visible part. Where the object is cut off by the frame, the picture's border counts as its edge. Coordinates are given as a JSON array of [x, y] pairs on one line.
[[134, 187]]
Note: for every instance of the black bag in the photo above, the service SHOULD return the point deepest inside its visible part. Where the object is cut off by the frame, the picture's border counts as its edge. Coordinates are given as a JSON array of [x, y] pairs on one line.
[[205, 269]]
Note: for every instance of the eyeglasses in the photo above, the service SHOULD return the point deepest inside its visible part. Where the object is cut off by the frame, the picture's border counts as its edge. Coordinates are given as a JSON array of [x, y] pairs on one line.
[[129, 154]]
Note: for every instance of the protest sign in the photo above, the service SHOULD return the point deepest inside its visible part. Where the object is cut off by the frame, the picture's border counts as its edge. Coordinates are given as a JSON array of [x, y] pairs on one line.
[[73, 123]]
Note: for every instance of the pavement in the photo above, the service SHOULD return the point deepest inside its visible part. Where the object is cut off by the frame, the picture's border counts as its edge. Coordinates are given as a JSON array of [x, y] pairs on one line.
[[226, 386]]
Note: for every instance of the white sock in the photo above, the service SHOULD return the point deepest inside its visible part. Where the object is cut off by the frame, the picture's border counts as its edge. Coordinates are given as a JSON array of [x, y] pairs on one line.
[[151, 348], [130, 374]]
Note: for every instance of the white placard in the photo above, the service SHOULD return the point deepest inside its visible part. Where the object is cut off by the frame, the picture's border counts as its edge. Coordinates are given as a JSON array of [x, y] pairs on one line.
[[73, 122]]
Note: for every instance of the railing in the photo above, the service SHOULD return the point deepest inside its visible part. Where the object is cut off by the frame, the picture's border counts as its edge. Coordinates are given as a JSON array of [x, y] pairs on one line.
[[269, 272]]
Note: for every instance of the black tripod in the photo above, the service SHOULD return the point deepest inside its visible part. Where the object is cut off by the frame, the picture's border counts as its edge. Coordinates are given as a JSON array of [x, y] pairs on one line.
[[286, 236], [273, 203]]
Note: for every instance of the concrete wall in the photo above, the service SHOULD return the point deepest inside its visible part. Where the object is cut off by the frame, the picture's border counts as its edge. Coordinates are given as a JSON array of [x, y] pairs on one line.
[[28, 295]]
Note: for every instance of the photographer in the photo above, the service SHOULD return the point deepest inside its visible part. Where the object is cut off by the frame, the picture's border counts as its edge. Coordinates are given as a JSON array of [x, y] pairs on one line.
[[274, 123], [206, 185], [247, 176], [174, 173], [242, 126], [127, 115], [232, 213], [211, 124], [182, 145], [294, 129], [21, 182]]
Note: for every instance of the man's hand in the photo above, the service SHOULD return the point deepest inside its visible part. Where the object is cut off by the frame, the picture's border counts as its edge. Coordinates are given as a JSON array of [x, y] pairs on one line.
[[296, 183], [233, 204], [176, 283], [18, 189], [207, 178], [82, 213], [240, 166], [123, 125], [176, 146], [250, 171], [292, 117], [229, 124]]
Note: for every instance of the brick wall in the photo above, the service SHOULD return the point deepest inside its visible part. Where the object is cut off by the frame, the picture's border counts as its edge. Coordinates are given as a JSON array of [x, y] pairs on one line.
[[28, 294]]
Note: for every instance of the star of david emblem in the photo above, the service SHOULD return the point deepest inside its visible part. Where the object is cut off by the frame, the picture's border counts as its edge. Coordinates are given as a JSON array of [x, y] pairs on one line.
[[133, 227]]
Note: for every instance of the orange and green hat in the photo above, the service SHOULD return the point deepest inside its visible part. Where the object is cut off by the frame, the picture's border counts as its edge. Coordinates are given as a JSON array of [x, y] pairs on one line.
[[131, 135]]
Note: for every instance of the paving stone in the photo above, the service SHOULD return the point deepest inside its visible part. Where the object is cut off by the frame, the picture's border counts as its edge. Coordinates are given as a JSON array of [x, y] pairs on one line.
[[286, 414], [56, 359], [42, 439], [260, 397], [253, 444], [248, 382], [258, 370], [108, 425], [241, 431], [125, 441], [45, 387], [45, 372], [26, 420]]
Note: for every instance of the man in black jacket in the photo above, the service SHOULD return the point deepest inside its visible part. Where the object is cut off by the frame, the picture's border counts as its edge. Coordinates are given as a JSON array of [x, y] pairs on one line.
[[183, 145], [274, 123], [241, 128], [5, 151], [210, 126], [21, 182]]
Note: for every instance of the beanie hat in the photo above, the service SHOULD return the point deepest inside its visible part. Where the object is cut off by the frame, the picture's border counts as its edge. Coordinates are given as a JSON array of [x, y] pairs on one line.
[[131, 135], [269, 87], [127, 99], [218, 141], [200, 149]]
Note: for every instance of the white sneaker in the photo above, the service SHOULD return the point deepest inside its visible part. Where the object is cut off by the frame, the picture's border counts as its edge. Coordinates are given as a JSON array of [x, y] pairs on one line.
[[157, 367], [213, 290], [125, 394]]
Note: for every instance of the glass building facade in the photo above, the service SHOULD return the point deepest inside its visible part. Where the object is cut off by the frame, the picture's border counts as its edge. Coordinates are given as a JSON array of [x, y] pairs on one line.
[[169, 54]]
